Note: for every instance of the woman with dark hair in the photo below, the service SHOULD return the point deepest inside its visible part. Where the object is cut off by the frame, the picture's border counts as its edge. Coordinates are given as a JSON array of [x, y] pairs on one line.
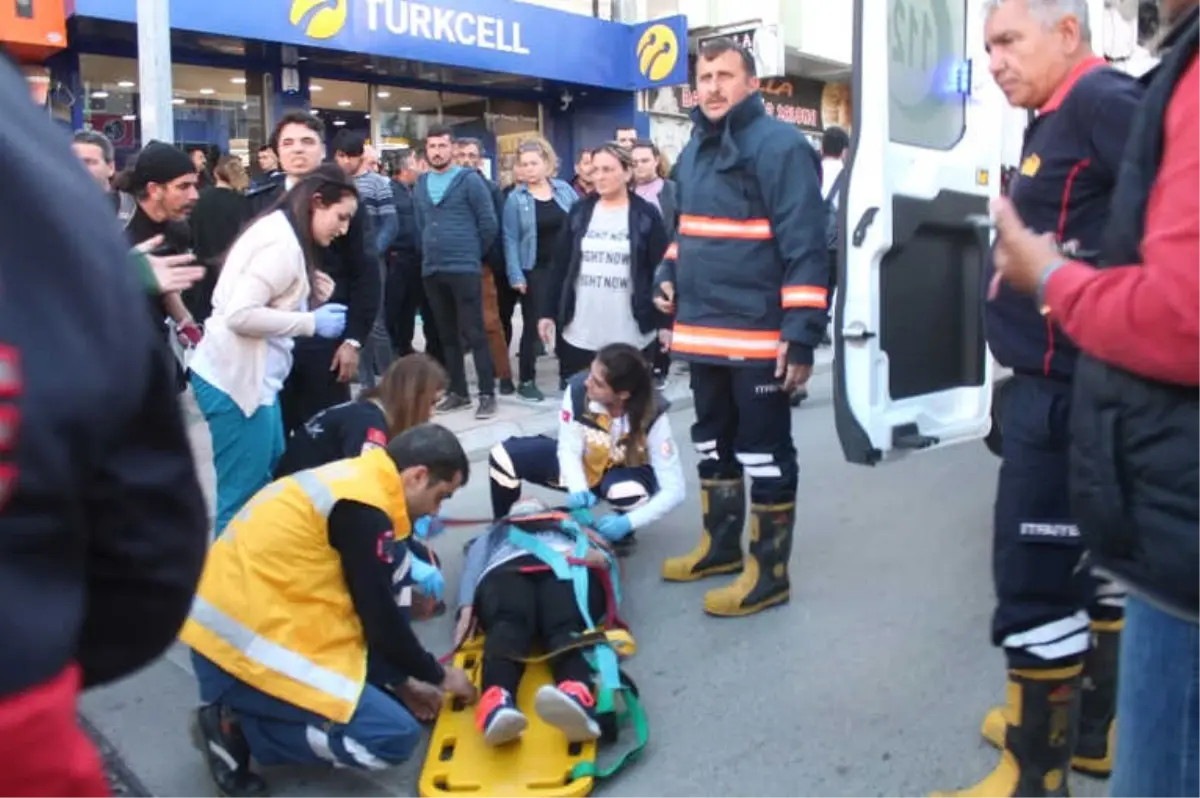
[[268, 293], [614, 443], [600, 287], [650, 182]]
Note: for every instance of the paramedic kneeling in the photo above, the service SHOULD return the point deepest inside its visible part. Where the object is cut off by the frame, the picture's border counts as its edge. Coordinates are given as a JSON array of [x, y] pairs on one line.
[[293, 597], [614, 442]]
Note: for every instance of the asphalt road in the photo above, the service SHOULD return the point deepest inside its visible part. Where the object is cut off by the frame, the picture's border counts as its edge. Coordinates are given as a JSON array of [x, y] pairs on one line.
[[871, 681]]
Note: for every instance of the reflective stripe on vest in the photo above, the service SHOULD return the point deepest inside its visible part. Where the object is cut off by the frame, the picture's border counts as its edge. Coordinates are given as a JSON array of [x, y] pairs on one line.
[[272, 655], [718, 227], [320, 494]]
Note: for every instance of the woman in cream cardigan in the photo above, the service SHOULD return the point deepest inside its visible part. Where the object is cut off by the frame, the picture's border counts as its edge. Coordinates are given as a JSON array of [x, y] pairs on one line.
[[269, 292]]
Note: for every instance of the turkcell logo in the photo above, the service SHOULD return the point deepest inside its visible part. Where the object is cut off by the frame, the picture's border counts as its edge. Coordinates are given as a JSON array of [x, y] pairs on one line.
[[323, 19], [657, 52], [319, 19]]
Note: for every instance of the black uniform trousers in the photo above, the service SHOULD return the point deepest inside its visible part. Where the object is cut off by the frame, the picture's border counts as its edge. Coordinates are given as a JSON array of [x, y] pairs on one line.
[[1044, 598], [311, 386], [744, 425], [404, 297], [518, 609]]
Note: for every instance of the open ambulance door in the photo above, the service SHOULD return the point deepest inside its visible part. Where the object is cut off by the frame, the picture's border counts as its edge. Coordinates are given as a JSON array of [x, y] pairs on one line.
[[912, 369]]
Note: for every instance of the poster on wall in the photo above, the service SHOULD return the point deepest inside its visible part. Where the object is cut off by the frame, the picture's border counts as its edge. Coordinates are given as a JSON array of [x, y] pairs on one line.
[[810, 105], [671, 134], [765, 42]]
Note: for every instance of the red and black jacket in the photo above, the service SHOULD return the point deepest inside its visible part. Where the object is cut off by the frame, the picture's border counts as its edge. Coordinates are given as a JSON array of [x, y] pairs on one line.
[[103, 526]]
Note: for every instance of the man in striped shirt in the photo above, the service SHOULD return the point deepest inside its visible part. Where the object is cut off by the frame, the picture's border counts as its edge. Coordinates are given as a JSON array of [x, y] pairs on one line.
[[375, 194]]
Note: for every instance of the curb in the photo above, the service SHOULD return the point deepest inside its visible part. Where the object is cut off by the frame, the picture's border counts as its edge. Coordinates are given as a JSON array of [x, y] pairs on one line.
[[121, 780]]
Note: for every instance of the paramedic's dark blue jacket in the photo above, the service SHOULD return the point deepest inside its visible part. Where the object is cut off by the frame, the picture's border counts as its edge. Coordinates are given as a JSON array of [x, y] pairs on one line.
[[753, 268], [103, 528], [1063, 186]]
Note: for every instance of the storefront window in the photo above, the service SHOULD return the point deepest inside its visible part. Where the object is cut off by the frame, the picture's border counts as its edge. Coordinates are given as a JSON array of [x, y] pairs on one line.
[[341, 105], [211, 105], [511, 122], [402, 117]]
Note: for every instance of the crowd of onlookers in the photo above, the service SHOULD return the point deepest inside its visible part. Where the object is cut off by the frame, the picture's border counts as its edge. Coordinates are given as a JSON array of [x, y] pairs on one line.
[[457, 252], [321, 269]]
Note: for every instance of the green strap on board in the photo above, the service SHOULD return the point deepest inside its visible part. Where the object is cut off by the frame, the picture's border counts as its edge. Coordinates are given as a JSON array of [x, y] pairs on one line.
[[636, 715]]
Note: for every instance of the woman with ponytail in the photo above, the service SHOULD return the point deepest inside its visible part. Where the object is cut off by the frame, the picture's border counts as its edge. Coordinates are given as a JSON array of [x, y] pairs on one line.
[[614, 443]]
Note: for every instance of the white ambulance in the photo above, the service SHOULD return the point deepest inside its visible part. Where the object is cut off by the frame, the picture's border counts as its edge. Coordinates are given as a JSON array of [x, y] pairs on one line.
[[932, 133]]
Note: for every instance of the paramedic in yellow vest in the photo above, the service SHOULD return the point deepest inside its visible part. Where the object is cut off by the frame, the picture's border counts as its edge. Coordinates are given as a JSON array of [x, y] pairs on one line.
[[299, 646], [614, 443]]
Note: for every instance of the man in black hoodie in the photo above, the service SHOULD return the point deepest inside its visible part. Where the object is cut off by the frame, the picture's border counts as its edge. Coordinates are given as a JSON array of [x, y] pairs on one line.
[[322, 368], [103, 527]]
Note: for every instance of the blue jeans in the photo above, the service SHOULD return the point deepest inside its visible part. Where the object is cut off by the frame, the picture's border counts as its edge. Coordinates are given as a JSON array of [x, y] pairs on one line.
[[1158, 705], [245, 450], [381, 732]]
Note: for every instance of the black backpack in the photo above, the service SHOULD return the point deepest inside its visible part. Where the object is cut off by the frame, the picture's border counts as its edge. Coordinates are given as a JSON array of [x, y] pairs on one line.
[[831, 211]]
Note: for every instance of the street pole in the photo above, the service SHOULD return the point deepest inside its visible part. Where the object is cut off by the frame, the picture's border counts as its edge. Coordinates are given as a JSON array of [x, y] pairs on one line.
[[154, 71]]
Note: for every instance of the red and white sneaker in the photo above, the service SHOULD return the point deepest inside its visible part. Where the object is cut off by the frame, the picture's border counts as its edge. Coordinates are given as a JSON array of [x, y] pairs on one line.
[[498, 718], [569, 706]]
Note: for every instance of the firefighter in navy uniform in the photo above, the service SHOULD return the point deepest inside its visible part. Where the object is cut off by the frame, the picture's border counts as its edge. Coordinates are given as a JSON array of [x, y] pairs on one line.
[[1059, 626], [749, 300]]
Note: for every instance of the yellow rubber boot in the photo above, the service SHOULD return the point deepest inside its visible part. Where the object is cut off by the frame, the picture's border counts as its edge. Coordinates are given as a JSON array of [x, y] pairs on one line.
[[764, 579], [723, 505], [1097, 705], [1043, 708]]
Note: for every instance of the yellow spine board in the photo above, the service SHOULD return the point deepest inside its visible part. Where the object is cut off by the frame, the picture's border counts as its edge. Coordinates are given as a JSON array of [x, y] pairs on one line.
[[459, 763]]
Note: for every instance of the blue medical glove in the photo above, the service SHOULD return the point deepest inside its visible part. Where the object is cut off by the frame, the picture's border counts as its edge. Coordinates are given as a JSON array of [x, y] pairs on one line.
[[581, 500], [614, 527], [430, 579], [330, 320], [428, 526]]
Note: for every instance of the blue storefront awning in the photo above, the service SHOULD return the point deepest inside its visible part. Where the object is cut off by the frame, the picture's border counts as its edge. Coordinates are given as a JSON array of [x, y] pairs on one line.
[[492, 35]]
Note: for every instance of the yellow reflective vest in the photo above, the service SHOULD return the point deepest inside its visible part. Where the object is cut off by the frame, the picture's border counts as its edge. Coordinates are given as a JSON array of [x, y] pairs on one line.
[[272, 609]]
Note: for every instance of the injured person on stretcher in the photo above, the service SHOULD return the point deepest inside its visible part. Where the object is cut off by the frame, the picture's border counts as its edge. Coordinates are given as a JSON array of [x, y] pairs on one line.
[[614, 443], [539, 581]]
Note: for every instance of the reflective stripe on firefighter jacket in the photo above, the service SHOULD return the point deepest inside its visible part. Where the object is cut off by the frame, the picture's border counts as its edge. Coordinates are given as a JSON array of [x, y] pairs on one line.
[[272, 609], [749, 262], [601, 452]]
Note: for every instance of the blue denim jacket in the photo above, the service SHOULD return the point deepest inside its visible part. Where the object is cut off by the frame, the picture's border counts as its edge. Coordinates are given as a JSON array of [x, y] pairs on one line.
[[520, 227]]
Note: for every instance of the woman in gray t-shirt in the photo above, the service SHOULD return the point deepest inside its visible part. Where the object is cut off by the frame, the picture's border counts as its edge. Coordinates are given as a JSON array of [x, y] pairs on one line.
[[601, 292]]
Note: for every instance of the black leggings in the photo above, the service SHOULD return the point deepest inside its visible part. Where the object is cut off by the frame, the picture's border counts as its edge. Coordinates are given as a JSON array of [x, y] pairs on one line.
[[517, 610]]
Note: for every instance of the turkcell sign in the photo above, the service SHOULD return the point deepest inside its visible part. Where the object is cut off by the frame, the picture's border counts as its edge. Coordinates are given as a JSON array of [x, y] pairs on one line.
[[435, 23], [505, 36]]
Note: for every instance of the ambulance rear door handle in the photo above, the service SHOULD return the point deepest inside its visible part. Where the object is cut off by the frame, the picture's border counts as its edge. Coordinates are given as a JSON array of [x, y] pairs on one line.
[[856, 331], [860, 229]]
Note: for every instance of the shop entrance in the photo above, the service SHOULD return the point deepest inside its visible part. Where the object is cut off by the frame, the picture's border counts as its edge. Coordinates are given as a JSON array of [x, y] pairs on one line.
[[341, 105]]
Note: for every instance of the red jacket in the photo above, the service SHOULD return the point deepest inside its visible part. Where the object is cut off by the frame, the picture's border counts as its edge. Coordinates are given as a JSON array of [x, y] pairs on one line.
[[1145, 317]]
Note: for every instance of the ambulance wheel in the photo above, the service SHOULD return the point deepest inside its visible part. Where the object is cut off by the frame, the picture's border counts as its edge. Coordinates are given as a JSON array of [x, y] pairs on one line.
[[995, 437]]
